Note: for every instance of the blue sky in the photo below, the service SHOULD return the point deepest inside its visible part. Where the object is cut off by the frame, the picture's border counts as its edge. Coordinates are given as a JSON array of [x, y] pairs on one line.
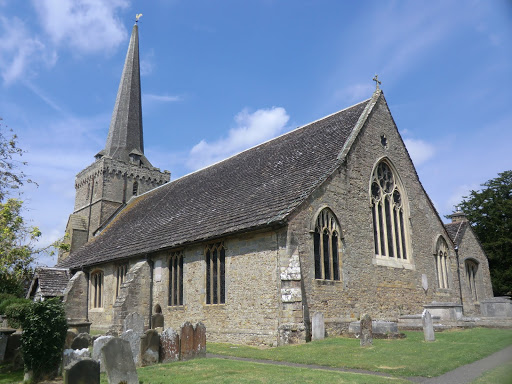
[[221, 76]]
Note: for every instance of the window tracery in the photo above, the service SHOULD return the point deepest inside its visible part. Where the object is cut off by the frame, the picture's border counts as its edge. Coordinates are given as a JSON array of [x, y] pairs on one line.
[[326, 245], [442, 263]]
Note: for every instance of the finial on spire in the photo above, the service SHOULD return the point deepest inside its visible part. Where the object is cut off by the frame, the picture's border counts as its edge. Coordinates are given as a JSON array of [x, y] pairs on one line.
[[137, 17], [377, 82]]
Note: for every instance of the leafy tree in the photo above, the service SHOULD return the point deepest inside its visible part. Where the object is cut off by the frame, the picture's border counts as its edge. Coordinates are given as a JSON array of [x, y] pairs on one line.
[[490, 213]]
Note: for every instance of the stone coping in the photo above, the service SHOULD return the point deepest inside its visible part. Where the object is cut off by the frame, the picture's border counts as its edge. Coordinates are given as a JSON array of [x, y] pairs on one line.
[[441, 305], [498, 299], [7, 331]]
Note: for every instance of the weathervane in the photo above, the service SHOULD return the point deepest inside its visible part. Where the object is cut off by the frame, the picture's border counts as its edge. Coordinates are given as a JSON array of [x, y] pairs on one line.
[[377, 82], [137, 17]]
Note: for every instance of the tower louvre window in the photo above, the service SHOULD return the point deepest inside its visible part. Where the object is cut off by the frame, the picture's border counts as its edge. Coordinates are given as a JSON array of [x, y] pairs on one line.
[[325, 246]]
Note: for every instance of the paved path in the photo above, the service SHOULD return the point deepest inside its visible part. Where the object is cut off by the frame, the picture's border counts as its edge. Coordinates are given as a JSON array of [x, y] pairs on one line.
[[462, 375]]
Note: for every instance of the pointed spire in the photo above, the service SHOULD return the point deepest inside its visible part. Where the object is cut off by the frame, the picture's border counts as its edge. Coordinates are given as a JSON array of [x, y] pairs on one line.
[[125, 136]]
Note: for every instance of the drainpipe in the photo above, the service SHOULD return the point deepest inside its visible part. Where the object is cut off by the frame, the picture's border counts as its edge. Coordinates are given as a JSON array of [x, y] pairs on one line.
[[458, 274], [87, 297], [151, 267]]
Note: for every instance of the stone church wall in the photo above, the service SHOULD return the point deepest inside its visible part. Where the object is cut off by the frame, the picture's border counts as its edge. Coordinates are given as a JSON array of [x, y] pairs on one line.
[[385, 292]]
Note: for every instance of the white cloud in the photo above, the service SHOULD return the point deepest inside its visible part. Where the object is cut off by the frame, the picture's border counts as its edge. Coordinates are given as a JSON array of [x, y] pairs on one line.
[[84, 25], [149, 97], [251, 129], [419, 150]]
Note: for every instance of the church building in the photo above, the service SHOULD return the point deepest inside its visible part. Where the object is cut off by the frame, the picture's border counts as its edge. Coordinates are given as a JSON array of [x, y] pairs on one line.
[[330, 217]]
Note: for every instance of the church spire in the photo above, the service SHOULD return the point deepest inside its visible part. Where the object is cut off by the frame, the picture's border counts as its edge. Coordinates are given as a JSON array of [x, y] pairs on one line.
[[125, 137]]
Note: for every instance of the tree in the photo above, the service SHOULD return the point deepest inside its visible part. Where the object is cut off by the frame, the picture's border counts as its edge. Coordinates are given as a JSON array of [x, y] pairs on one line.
[[490, 213]]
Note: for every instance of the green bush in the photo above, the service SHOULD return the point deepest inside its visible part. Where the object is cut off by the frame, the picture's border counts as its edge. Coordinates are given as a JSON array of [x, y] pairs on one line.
[[17, 312], [44, 333], [8, 301]]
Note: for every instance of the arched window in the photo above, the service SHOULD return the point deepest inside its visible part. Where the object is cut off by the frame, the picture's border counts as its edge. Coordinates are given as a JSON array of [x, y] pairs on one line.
[[215, 274], [326, 245], [442, 264], [176, 279], [121, 272], [471, 268], [389, 214], [96, 297]]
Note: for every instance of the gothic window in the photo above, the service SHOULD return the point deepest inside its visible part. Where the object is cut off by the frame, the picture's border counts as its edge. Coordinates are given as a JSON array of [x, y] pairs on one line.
[[471, 275], [389, 214], [326, 245], [215, 274], [135, 189], [442, 263], [96, 297], [176, 279], [120, 277]]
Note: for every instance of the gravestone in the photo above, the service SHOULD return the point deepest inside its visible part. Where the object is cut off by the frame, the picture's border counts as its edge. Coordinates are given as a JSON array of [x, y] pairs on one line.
[[134, 339], [318, 326], [187, 350], [366, 336], [70, 356], [85, 371], [200, 340], [118, 359], [169, 346], [96, 350], [70, 336], [83, 340], [149, 348], [135, 322], [428, 326]]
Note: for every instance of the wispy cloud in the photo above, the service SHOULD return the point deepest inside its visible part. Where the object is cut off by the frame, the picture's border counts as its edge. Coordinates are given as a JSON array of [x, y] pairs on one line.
[[354, 93], [251, 129], [150, 97], [420, 150]]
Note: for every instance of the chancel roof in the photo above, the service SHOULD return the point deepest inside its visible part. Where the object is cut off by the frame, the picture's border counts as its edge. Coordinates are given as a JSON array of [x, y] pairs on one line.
[[256, 188]]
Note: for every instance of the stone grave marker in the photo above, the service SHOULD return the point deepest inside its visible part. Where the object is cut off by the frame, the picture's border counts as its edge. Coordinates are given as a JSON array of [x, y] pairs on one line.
[[69, 356], [70, 336], [200, 340], [118, 359], [149, 348], [366, 335], [428, 326], [134, 339], [318, 326], [187, 350], [85, 371], [83, 340], [135, 322], [96, 350], [169, 346]]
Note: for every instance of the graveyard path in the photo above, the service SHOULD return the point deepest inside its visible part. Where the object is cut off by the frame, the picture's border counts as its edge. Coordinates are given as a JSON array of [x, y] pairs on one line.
[[461, 375]]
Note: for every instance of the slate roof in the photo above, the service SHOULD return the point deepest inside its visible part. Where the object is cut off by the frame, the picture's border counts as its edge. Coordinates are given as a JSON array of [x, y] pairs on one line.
[[52, 281], [257, 188], [456, 231]]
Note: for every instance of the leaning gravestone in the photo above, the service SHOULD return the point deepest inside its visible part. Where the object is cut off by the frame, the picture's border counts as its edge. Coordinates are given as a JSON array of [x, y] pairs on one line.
[[428, 326], [149, 348], [366, 336], [69, 356], [134, 339], [169, 346], [187, 350], [135, 322], [119, 364], [318, 326], [85, 371], [200, 340], [83, 340], [96, 350]]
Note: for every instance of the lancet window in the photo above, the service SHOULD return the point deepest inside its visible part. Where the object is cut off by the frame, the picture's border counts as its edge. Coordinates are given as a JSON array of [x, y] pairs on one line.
[[121, 272], [389, 214], [442, 263], [215, 274], [326, 245], [176, 279], [471, 268], [96, 297]]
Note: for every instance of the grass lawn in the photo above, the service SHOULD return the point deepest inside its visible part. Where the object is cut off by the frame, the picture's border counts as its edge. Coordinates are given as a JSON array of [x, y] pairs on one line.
[[501, 374], [404, 357]]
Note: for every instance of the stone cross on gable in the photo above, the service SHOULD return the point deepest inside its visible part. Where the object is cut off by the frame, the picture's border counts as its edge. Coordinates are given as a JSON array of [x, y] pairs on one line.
[[377, 81]]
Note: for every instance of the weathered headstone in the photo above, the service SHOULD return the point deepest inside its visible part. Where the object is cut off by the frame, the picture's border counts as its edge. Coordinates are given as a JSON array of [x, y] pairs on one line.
[[69, 356], [157, 321], [428, 326], [200, 340], [187, 350], [135, 322], [70, 336], [149, 348], [83, 340], [318, 326], [169, 346], [134, 339], [118, 359], [85, 371], [96, 350], [366, 336]]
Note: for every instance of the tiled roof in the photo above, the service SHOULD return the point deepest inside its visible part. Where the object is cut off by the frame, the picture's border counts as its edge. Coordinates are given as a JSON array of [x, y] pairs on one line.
[[256, 188], [456, 231], [52, 281]]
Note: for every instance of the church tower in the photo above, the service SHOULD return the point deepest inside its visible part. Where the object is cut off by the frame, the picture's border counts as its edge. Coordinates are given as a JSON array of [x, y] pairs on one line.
[[121, 169]]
